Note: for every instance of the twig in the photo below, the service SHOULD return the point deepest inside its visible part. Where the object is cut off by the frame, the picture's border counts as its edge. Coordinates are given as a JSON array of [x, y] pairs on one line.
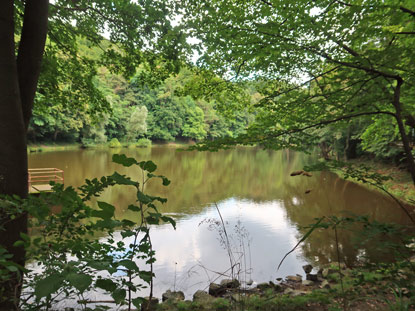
[[338, 264]]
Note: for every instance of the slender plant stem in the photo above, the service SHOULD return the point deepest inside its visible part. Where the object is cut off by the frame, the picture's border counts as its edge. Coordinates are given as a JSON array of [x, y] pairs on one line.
[[338, 264]]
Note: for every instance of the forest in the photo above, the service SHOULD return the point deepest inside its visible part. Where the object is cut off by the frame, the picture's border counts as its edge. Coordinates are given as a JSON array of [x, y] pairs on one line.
[[330, 79], [137, 109]]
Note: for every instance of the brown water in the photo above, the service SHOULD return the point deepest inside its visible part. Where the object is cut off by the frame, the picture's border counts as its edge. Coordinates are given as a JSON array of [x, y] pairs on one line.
[[264, 208]]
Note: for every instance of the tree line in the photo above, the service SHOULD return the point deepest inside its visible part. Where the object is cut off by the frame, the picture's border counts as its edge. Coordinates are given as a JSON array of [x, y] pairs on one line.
[[160, 112]]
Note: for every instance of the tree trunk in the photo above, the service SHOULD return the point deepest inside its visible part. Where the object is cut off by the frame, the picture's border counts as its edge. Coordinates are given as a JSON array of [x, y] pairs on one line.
[[402, 132], [18, 82], [13, 154], [30, 54]]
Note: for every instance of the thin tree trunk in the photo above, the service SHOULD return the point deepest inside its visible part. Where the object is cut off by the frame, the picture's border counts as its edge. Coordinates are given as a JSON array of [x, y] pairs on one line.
[[402, 132], [30, 54]]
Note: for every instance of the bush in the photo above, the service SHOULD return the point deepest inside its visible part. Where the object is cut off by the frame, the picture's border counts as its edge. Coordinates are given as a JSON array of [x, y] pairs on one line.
[[143, 143], [114, 143]]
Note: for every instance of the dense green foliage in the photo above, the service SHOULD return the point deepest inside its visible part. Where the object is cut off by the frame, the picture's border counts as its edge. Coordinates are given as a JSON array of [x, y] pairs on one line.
[[346, 65], [137, 109]]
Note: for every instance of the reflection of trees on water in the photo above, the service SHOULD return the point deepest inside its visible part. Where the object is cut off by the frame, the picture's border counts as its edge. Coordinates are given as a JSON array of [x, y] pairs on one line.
[[201, 178], [332, 196], [198, 178]]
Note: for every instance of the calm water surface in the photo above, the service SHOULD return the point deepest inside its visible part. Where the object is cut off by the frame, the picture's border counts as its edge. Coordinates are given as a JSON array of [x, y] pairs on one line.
[[264, 209]]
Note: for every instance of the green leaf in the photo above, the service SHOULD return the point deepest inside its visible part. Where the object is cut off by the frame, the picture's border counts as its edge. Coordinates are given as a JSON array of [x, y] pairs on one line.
[[166, 181], [100, 265], [107, 224], [127, 233], [170, 220], [123, 160], [123, 180], [153, 219], [138, 301], [146, 276], [128, 264], [145, 199], [18, 243], [106, 284], [80, 281], [25, 237], [133, 208], [106, 212], [148, 166], [12, 268], [119, 295], [48, 285]]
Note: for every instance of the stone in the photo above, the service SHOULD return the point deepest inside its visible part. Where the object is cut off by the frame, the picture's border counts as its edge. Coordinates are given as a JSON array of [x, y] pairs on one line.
[[325, 284], [294, 278], [307, 268], [327, 271], [264, 286], [312, 277], [202, 296], [216, 290], [173, 296], [148, 305], [250, 282], [230, 283], [288, 291], [307, 283], [297, 292]]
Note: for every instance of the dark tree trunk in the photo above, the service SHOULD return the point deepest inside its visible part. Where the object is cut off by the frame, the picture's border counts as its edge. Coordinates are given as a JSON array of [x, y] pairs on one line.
[[18, 82], [402, 132], [30, 54], [13, 155]]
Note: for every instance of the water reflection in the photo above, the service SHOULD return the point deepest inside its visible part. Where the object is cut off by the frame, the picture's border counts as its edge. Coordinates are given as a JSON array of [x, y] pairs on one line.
[[253, 189]]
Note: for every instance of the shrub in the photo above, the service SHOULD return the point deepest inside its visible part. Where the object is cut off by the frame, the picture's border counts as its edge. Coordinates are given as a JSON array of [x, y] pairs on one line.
[[143, 143], [114, 143]]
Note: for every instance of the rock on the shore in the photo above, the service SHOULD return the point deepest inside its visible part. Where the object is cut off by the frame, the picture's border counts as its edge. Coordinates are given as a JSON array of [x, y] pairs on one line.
[[294, 278], [312, 277], [307, 283], [174, 296], [230, 283], [307, 268], [325, 284], [202, 297], [328, 271], [218, 290]]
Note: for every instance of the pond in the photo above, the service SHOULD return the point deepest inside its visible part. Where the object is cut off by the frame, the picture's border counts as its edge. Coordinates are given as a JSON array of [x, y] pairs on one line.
[[264, 208]]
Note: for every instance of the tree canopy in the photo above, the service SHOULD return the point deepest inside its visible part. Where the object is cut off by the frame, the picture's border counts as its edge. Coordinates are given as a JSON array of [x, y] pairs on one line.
[[321, 62]]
